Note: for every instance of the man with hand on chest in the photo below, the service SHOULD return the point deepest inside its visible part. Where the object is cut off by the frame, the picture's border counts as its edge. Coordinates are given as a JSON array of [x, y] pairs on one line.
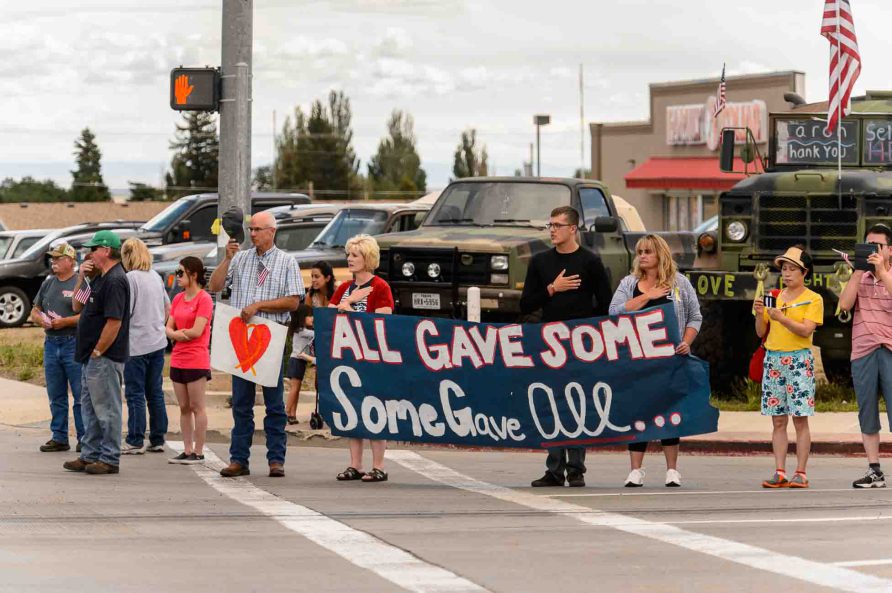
[[567, 282]]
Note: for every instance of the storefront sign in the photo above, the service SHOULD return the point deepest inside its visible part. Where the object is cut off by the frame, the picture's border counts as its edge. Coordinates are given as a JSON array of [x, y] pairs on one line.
[[688, 125]]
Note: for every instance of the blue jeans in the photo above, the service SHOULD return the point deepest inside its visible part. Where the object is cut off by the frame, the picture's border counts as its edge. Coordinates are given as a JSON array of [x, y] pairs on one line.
[[143, 376], [243, 421], [101, 403], [61, 371]]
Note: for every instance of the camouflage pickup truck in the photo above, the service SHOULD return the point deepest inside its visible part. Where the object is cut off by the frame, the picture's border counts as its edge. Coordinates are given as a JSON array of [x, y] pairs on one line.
[[483, 231], [798, 199]]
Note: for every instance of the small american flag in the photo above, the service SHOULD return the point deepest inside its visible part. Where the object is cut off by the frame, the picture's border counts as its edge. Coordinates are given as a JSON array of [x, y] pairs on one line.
[[83, 295], [845, 59], [262, 273], [721, 99]]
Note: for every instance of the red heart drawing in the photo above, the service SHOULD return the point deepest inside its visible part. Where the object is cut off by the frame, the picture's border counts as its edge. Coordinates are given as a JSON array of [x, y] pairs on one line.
[[248, 350]]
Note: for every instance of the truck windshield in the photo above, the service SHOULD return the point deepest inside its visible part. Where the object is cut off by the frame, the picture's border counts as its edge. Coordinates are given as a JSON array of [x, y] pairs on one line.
[[498, 202], [348, 223], [168, 216]]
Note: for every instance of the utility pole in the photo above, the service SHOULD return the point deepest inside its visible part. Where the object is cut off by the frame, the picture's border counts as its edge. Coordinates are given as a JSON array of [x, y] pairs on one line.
[[581, 126], [235, 109], [275, 152]]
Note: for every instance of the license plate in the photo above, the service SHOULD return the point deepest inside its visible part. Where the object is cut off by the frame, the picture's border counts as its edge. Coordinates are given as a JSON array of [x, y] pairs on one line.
[[425, 300]]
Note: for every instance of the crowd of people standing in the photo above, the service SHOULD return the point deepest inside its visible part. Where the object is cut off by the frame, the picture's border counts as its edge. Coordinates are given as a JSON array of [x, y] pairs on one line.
[[109, 322]]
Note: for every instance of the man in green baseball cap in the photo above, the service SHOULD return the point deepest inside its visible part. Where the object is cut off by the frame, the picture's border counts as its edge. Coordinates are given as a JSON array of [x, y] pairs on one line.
[[104, 239], [103, 336]]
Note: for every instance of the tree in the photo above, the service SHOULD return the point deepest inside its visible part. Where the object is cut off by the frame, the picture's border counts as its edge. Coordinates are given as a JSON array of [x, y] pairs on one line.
[[31, 190], [582, 174], [318, 148], [263, 178], [87, 184], [140, 192], [396, 166], [196, 155], [469, 161]]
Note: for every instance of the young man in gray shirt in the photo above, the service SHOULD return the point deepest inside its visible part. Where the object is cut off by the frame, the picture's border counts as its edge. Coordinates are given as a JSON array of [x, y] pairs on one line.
[[53, 312]]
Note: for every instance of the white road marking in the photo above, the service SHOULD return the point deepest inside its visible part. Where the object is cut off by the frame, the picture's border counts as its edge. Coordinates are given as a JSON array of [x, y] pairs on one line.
[[853, 563], [673, 492], [818, 573], [360, 548]]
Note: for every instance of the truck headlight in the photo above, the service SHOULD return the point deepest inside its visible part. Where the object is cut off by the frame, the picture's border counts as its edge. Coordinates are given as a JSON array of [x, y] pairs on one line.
[[408, 269], [433, 270], [498, 278], [499, 262], [736, 231]]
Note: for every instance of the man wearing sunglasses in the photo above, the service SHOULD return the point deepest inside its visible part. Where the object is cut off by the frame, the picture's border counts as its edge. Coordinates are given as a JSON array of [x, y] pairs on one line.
[[265, 282], [567, 282], [103, 334], [870, 293]]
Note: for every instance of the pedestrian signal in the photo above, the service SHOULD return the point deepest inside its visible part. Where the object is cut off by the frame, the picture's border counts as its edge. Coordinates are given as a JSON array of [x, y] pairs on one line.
[[194, 89]]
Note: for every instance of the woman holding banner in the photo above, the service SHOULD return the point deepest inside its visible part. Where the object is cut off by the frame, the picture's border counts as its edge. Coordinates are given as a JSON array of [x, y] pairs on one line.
[[655, 281], [366, 293], [788, 379], [189, 327]]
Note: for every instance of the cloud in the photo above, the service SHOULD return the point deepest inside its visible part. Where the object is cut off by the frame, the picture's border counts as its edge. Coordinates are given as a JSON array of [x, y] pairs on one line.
[[396, 42]]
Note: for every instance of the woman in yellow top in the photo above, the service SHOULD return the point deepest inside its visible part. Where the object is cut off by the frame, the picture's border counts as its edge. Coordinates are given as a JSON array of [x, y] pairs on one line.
[[788, 382]]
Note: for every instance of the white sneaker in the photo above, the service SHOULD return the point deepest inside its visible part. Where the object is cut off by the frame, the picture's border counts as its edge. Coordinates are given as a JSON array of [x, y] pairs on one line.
[[673, 478], [155, 448], [635, 479], [132, 449]]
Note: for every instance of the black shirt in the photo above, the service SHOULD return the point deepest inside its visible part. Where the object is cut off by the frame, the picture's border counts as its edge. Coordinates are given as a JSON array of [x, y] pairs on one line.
[[109, 299], [663, 300], [591, 299]]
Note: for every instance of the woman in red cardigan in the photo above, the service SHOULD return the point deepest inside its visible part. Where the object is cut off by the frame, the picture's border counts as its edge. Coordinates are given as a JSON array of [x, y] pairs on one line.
[[367, 293]]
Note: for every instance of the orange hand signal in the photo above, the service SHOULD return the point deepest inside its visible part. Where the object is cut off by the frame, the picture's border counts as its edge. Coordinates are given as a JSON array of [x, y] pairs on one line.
[[182, 89]]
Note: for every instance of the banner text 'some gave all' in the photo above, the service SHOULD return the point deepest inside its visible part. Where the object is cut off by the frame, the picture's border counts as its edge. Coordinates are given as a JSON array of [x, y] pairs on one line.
[[587, 382]]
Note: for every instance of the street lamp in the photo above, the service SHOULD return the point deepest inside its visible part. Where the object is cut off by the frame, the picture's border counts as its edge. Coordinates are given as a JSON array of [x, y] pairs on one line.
[[539, 120]]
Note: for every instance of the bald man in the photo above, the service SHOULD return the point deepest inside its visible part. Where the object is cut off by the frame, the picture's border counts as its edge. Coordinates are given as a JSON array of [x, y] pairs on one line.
[[265, 282]]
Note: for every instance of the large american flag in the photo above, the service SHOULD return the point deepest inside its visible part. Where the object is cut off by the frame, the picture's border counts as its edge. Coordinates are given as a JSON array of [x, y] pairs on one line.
[[845, 60], [721, 99]]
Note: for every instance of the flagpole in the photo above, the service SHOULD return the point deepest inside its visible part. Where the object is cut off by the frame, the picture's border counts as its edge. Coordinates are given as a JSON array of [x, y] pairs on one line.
[[838, 104]]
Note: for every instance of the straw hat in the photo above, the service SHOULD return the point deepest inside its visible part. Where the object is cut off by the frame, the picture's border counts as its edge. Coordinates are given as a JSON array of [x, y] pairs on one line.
[[793, 255]]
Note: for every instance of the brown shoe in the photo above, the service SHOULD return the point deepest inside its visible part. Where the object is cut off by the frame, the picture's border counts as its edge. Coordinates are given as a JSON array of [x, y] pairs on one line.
[[78, 465], [101, 468], [234, 469], [276, 470]]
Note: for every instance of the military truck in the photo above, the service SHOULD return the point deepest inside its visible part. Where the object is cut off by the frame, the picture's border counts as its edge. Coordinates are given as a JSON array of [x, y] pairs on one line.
[[483, 231], [798, 199]]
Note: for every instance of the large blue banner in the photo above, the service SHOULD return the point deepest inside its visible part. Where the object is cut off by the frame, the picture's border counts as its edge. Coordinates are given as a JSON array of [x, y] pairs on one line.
[[586, 382]]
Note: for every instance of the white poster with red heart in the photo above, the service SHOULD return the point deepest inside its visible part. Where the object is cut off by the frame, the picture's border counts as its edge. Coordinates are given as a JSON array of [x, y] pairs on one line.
[[252, 350]]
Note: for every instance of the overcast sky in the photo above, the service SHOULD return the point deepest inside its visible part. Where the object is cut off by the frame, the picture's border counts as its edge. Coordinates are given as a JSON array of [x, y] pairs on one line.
[[488, 64]]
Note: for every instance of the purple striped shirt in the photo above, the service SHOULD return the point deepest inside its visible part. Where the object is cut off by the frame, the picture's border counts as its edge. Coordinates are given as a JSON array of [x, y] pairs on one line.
[[872, 323]]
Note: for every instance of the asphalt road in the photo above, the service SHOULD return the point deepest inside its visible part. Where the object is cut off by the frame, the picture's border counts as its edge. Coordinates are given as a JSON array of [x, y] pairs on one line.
[[446, 521]]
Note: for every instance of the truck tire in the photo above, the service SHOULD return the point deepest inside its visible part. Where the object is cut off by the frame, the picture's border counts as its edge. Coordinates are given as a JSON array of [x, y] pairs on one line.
[[726, 341], [14, 306]]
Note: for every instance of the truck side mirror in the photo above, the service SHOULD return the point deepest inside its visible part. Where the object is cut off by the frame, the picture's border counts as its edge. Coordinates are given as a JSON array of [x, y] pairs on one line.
[[606, 224], [726, 159], [183, 230]]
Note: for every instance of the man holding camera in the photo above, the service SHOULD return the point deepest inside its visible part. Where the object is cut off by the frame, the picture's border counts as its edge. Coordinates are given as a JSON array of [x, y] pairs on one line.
[[869, 291], [265, 282]]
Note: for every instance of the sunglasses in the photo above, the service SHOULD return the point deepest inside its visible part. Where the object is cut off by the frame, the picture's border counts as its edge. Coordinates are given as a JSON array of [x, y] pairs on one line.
[[179, 273]]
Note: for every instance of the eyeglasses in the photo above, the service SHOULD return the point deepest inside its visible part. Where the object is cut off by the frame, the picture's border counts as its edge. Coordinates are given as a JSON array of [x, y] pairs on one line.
[[877, 244], [257, 229], [557, 225], [179, 273]]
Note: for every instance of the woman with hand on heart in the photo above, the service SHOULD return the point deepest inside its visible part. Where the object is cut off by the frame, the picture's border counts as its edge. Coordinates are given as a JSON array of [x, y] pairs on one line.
[[366, 293], [189, 327], [322, 288]]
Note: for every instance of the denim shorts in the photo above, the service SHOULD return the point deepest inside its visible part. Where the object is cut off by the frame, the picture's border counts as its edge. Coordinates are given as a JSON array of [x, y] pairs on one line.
[[297, 368], [872, 375], [788, 383]]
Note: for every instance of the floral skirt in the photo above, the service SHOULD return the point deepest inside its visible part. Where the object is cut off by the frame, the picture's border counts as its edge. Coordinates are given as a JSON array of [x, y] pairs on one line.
[[788, 383]]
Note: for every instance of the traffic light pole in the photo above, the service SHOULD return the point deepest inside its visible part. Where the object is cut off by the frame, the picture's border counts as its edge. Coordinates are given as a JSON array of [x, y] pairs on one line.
[[234, 177]]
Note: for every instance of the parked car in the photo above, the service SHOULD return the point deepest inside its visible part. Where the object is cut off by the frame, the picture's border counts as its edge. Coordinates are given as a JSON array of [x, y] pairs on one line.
[[190, 218], [15, 243], [20, 278]]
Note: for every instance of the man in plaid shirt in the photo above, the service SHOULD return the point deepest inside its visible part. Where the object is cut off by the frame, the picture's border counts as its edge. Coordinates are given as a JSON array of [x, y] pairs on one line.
[[265, 282]]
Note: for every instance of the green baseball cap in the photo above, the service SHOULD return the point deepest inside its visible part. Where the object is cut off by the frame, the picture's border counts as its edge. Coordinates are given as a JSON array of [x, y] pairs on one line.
[[104, 239]]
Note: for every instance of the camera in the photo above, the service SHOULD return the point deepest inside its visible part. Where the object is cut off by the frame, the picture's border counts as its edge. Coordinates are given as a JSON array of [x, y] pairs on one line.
[[770, 301]]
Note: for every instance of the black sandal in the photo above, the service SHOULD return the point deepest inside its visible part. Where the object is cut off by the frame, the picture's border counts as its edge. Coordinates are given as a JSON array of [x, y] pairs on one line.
[[376, 475], [293, 420], [351, 473]]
